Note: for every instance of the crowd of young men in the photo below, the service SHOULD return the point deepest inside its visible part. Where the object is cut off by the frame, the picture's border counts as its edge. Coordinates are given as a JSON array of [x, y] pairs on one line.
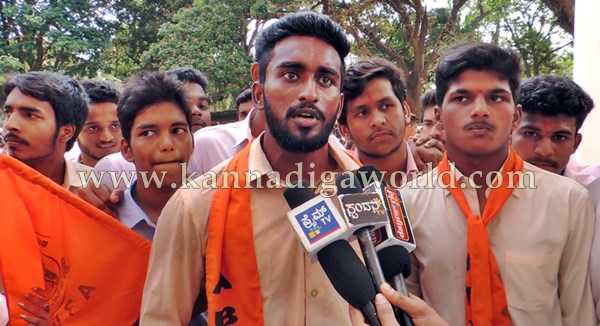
[[484, 254]]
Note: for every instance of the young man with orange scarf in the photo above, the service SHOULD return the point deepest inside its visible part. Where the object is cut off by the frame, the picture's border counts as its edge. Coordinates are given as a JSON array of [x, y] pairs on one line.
[[238, 240], [499, 241]]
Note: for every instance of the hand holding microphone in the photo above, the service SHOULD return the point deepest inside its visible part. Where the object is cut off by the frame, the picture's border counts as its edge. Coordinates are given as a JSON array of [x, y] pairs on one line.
[[420, 312]]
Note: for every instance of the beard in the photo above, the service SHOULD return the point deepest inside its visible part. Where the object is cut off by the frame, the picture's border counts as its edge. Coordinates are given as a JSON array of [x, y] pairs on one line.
[[297, 143]]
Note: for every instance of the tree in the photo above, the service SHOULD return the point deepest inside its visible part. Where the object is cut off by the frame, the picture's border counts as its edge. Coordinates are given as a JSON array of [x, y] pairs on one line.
[[408, 33], [534, 33], [564, 11], [65, 35], [215, 37]]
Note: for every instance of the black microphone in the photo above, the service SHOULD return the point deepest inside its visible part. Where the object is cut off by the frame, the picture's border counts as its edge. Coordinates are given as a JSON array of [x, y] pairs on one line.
[[350, 278], [363, 213], [323, 233], [315, 219], [395, 262]]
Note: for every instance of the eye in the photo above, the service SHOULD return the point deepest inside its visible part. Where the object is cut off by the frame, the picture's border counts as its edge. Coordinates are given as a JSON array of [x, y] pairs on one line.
[[115, 126], [496, 98], [179, 130], [93, 128], [361, 113], [460, 99], [30, 115], [530, 134], [387, 106], [325, 80], [148, 133], [292, 76], [559, 138], [7, 113]]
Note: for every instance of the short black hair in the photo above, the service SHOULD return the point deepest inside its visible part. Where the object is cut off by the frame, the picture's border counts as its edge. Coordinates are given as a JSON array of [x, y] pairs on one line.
[[243, 97], [304, 23], [146, 89], [428, 99], [360, 74], [551, 95], [65, 95], [100, 91], [190, 75], [476, 56]]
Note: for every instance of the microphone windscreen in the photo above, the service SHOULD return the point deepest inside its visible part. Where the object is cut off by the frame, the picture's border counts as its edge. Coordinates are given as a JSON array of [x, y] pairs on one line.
[[348, 183], [368, 173], [394, 260], [349, 276], [298, 194]]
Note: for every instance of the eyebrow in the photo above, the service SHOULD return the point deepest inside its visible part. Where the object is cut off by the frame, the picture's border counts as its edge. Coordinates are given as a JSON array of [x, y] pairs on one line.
[[493, 91], [568, 132], [299, 66], [23, 108]]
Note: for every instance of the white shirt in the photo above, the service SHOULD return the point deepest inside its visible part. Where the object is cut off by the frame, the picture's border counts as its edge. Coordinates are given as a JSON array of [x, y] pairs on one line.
[[113, 166], [132, 215], [540, 238], [594, 189]]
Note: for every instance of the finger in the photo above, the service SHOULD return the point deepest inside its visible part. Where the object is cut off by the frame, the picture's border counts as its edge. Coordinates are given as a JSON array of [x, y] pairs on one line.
[[356, 317], [31, 320], [34, 311], [42, 293], [421, 139], [385, 311], [116, 196], [435, 144], [90, 196], [40, 302]]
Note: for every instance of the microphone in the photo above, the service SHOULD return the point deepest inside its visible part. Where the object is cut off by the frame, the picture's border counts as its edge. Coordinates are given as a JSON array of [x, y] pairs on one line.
[[315, 219], [322, 232], [350, 278], [395, 262], [398, 231], [362, 212]]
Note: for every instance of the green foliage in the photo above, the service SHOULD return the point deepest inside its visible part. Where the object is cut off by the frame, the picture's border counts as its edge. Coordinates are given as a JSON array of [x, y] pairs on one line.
[[66, 35]]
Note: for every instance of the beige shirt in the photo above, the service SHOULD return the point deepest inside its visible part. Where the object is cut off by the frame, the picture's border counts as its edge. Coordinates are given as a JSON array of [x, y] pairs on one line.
[[294, 290], [541, 239], [72, 178]]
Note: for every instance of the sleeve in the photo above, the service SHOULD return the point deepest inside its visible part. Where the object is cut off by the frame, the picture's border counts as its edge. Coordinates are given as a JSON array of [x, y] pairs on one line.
[[176, 268], [574, 284], [594, 189]]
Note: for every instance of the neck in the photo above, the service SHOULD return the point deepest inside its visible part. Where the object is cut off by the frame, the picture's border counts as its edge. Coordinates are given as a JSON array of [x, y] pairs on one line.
[[468, 164], [52, 166], [257, 123], [285, 162], [87, 160], [395, 161], [151, 199]]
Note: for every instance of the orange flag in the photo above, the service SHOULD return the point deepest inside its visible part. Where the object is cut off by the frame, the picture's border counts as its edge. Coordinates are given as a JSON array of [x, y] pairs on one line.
[[92, 267]]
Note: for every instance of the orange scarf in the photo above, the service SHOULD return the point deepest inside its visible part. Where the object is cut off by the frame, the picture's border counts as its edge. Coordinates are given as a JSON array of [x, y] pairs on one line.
[[486, 298], [232, 282]]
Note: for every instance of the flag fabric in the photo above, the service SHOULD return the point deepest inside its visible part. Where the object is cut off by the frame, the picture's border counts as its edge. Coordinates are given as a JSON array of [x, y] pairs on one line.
[[92, 267]]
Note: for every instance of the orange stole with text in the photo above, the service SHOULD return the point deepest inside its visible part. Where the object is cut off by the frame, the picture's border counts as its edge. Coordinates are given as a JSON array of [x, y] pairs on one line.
[[92, 267]]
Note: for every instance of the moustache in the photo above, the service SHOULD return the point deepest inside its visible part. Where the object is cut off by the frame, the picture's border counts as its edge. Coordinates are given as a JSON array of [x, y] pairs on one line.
[[480, 124], [542, 161], [305, 108], [14, 138]]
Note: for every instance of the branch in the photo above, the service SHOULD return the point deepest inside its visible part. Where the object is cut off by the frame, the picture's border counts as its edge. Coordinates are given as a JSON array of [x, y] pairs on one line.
[[446, 31], [373, 37]]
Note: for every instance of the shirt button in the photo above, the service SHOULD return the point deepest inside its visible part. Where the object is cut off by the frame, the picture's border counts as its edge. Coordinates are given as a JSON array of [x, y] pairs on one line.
[[314, 293]]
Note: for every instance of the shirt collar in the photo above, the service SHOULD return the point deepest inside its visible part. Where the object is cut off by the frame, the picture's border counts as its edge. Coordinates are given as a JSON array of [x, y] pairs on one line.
[[463, 179], [130, 213], [243, 134], [71, 176], [260, 166], [411, 165]]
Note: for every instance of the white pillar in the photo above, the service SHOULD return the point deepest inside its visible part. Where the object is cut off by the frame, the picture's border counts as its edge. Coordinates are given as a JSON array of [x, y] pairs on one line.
[[586, 72]]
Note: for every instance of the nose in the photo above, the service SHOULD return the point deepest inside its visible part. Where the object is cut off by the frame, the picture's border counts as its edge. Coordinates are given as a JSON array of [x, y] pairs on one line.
[[165, 143], [106, 135], [480, 108], [309, 92], [11, 123], [437, 131], [544, 148], [379, 118]]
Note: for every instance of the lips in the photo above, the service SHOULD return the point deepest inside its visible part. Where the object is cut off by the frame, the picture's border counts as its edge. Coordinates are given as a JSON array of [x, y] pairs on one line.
[[380, 134], [198, 122], [543, 163], [106, 145], [479, 125], [12, 139]]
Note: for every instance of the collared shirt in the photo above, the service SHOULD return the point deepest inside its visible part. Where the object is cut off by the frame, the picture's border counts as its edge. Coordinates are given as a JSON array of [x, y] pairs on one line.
[[582, 173], [132, 215], [594, 189], [411, 165], [72, 177], [115, 171], [213, 145], [294, 290], [540, 239]]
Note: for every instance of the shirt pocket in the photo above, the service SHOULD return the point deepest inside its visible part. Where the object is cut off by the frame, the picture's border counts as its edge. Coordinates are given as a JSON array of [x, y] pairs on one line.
[[531, 280]]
